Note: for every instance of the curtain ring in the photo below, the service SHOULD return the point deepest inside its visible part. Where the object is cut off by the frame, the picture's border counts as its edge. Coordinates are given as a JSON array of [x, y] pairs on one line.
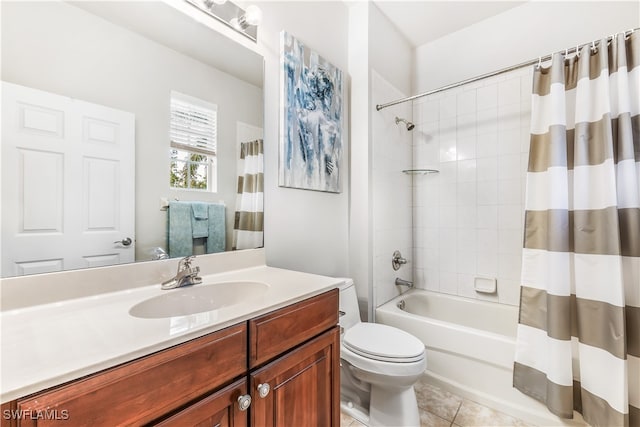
[[539, 63], [593, 46], [577, 51]]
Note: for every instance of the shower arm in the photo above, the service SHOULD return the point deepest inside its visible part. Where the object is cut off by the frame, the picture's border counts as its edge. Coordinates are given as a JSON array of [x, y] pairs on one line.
[[407, 123]]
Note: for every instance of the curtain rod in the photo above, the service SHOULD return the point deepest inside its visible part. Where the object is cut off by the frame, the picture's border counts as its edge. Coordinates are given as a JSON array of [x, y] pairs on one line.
[[538, 60]]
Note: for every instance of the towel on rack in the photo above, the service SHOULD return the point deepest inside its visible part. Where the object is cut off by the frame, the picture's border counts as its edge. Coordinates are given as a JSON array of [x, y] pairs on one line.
[[200, 219], [180, 232], [216, 242]]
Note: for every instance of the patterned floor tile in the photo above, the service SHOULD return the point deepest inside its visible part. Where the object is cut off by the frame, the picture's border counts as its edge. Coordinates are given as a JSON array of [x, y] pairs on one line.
[[427, 419], [439, 408], [437, 401], [349, 421], [472, 414]]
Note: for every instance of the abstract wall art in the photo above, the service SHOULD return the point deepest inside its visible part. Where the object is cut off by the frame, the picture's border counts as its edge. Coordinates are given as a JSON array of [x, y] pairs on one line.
[[311, 103]]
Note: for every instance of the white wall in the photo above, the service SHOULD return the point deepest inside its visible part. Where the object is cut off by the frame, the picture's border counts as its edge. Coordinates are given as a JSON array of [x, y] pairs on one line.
[[391, 191], [360, 223], [390, 54], [304, 230], [390, 75], [376, 48], [537, 28], [62, 49], [468, 219]]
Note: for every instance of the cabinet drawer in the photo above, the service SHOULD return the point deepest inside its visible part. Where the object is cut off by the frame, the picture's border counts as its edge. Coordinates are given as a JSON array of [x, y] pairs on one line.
[[283, 329], [145, 389]]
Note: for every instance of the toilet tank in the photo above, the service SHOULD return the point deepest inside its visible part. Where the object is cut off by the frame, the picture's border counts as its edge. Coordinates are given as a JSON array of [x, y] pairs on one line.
[[348, 305]]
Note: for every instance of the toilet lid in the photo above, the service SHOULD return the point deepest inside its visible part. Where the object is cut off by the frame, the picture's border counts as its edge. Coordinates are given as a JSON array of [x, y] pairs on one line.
[[382, 342]]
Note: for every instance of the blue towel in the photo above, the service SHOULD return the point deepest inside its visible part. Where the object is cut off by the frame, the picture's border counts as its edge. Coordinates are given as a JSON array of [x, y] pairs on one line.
[[180, 233], [216, 239], [200, 219]]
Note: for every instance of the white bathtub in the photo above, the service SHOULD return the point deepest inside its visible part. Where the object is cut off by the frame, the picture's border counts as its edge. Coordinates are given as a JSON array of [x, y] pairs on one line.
[[470, 347]]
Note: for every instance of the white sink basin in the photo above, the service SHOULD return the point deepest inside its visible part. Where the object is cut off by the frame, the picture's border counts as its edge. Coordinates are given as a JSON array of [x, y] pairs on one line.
[[198, 298]]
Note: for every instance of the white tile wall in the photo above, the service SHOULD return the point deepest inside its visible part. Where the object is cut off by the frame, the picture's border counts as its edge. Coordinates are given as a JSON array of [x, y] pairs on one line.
[[392, 190], [467, 220]]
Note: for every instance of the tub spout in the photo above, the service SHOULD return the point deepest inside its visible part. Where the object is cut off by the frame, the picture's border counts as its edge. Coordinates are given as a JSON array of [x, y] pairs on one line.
[[402, 282]]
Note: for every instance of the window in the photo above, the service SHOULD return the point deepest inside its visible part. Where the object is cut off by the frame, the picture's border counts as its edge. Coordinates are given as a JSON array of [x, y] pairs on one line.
[[193, 134]]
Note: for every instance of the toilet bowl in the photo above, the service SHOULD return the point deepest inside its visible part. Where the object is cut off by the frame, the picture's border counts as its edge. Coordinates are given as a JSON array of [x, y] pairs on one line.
[[379, 366]]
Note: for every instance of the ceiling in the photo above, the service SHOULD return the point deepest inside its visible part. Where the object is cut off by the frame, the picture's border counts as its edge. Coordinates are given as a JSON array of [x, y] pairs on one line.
[[424, 21]]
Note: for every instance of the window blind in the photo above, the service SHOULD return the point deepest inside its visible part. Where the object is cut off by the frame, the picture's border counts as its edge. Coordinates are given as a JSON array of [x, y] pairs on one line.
[[193, 124]]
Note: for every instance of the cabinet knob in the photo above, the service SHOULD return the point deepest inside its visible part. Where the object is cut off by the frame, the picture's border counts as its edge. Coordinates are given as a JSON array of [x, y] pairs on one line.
[[244, 402], [263, 390]]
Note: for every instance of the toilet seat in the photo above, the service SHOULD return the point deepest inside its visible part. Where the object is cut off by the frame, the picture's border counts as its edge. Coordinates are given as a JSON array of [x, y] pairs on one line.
[[383, 343]]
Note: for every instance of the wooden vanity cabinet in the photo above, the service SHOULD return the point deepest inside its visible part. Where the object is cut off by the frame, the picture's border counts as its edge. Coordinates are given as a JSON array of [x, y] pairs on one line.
[[292, 353], [274, 333], [142, 390], [220, 409], [301, 388]]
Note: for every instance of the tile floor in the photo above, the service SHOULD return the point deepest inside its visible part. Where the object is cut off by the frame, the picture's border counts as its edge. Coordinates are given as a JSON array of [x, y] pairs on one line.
[[439, 408]]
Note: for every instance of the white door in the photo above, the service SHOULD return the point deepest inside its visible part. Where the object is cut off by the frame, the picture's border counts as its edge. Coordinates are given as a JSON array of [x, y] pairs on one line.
[[67, 183]]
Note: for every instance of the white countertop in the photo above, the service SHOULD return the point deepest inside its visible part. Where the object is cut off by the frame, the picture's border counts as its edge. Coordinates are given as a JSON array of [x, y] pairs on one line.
[[49, 344]]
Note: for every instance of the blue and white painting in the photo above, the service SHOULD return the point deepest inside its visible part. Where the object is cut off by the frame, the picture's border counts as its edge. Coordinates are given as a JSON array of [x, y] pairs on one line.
[[311, 119]]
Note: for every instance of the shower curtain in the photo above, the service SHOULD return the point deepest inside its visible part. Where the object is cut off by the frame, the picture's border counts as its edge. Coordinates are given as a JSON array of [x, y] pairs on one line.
[[578, 344], [249, 217]]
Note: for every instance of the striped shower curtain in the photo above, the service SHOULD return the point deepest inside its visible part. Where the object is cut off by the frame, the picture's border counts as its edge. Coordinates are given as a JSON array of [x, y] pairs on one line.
[[578, 345], [249, 218]]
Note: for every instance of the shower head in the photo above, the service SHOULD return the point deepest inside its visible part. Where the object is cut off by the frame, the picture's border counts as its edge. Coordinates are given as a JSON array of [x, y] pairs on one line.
[[409, 125]]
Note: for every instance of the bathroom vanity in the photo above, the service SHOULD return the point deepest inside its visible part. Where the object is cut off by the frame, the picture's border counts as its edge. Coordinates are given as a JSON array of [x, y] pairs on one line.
[[272, 361], [277, 369]]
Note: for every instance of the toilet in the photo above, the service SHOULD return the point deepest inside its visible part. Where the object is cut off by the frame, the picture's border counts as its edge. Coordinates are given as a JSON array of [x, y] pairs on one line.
[[379, 365]]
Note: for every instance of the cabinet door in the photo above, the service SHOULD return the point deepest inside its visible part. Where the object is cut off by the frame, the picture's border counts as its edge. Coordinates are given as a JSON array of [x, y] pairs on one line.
[[303, 386], [221, 409]]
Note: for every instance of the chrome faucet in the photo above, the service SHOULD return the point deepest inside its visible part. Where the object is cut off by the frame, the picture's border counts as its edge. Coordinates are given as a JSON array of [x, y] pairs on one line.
[[402, 282], [185, 276]]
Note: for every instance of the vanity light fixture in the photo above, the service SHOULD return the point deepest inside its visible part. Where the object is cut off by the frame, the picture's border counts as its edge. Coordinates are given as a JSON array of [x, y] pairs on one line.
[[243, 21], [251, 17]]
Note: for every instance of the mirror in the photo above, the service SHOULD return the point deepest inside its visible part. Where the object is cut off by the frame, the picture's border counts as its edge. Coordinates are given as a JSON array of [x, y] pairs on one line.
[[82, 78]]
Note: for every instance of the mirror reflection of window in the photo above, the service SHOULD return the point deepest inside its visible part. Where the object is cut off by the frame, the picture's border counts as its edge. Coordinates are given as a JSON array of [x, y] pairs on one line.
[[193, 136]]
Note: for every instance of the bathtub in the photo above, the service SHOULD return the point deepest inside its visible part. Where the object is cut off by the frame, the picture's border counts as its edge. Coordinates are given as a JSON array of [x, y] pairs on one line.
[[470, 348]]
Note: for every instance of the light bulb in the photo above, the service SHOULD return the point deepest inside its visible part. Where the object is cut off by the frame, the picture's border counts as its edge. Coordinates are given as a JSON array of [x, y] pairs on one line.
[[253, 15], [235, 23]]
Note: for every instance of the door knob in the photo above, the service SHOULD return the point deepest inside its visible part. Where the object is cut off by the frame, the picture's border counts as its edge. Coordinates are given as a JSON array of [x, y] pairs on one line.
[[244, 402], [263, 390], [124, 242]]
